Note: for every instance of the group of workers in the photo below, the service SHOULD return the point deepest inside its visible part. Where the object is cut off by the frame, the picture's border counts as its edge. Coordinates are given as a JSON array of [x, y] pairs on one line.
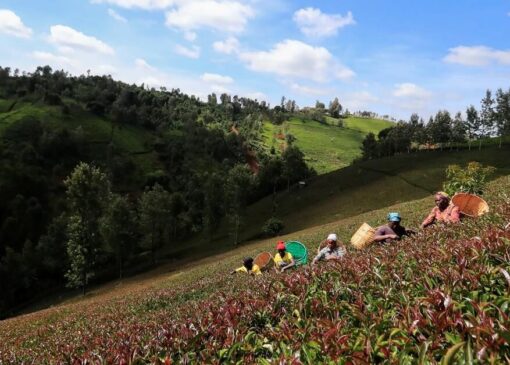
[[444, 211]]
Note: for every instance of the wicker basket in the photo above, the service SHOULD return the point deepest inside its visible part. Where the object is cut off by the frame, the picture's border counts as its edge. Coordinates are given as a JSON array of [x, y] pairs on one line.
[[262, 260], [363, 236], [470, 205]]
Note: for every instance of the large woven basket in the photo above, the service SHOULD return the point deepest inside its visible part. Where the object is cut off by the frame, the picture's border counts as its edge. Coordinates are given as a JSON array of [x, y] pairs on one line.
[[363, 236], [262, 260], [470, 205]]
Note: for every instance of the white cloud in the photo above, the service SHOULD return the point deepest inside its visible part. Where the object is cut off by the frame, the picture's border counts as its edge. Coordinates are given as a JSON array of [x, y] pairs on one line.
[[257, 95], [11, 24], [64, 36], [296, 59], [190, 36], [477, 56], [359, 100], [228, 46], [116, 16], [52, 59], [142, 64], [307, 90], [411, 96], [224, 15], [190, 52], [141, 4], [216, 78], [314, 23]]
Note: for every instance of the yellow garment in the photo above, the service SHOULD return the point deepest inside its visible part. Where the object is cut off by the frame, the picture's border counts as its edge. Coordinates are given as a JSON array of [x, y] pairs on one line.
[[254, 270], [287, 258]]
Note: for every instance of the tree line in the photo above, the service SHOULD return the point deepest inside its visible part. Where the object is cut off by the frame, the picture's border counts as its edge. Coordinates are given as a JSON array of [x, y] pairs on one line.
[[492, 119]]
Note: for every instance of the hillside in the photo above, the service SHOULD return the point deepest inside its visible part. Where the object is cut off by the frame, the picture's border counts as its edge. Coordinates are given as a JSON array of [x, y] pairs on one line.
[[326, 146], [439, 296]]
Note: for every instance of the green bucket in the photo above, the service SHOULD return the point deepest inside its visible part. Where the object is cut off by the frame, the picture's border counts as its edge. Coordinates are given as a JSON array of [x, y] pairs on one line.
[[298, 252]]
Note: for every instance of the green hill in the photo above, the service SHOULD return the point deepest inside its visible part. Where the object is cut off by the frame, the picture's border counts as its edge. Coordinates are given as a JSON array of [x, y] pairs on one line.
[[326, 146], [439, 296]]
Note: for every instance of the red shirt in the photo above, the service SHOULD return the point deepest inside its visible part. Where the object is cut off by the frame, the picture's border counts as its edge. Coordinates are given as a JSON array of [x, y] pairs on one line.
[[450, 215]]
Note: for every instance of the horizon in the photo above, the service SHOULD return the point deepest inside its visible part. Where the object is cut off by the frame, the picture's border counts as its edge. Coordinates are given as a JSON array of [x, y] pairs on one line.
[[392, 58]]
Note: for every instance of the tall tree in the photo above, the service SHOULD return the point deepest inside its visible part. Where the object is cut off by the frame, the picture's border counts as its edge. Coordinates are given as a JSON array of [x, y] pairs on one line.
[[487, 116], [472, 124], [335, 108], [502, 114], [369, 147], [88, 190], [118, 229], [155, 215], [237, 189]]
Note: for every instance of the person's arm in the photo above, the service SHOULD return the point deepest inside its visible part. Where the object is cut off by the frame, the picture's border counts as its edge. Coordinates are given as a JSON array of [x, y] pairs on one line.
[[291, 263], [431, 218], [319, 257], [380, 235], [455, 215]]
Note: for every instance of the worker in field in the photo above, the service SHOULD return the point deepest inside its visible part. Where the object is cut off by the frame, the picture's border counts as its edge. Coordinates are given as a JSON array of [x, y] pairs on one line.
[[248, 267], [283, 260], [334, 250], [444, 211], [392, 231]]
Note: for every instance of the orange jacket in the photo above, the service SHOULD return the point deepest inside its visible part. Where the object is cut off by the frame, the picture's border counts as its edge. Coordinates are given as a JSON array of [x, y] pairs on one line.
[[450, 215]]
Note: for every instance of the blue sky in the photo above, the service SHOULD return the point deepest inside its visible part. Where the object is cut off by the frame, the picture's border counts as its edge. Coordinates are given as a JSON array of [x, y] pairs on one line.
[[391, 57]]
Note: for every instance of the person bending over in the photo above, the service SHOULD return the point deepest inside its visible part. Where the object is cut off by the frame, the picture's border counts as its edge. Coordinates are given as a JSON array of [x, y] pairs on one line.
[[392, 231], [283, 260], [248, 267], [444, 211]]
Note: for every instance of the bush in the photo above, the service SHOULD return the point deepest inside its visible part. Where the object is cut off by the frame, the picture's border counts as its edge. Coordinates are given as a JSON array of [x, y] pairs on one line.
[[272, 227], [469, 179]]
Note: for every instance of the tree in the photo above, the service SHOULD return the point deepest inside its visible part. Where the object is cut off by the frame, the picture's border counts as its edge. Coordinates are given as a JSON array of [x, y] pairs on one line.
[[118, 229], [439, 129], [335, 108], [294, 165], [458, 129], [214, 197], [502, 116], [88, 190], [320, 106], [472, 124], [369, 147], [237, 189], [486, 116], [155, 213]]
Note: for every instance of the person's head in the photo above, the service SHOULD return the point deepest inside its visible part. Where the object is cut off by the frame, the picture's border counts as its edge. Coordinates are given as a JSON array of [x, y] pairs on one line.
[[248, 263], [332, 240], [441, 199], [280, 247], [394, 220]]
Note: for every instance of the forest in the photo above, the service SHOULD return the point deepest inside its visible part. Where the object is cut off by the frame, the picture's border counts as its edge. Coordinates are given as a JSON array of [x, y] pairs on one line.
[[77, 209]]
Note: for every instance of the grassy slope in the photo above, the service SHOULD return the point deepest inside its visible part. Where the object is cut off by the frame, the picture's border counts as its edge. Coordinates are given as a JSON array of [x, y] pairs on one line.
[[326, 146], [160, 293], [97, 130]]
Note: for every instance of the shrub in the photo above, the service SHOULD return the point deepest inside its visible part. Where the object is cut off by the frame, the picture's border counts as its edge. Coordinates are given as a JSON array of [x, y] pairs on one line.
[[469, 179], [272, 227]]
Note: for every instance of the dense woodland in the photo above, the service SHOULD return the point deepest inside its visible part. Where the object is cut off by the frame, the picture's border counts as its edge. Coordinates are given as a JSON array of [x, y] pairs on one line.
[[443, 130], [76, 211]]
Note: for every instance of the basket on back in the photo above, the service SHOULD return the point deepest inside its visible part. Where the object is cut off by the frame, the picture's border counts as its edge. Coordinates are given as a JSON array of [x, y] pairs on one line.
[[298, 252], [363, 236], [470, 205], [262, 260]]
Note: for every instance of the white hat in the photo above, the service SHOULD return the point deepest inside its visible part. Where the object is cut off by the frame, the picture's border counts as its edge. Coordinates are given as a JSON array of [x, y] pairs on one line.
[[332, 237]]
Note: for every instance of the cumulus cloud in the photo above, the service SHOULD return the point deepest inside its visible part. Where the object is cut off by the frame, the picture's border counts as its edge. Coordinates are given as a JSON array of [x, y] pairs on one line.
[[141, 4], [228, 46], [477, 56], [229, 16], [308, 90], [314, 23], [296, 59], [142, 64], [116, 16], [216, 78], [64, 36], [190, 52], [359, 100], [411, 96], [51, 58], [11, 24]]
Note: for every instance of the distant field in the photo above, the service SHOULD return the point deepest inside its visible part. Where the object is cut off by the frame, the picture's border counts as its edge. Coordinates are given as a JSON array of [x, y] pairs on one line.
[[327, 147]]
